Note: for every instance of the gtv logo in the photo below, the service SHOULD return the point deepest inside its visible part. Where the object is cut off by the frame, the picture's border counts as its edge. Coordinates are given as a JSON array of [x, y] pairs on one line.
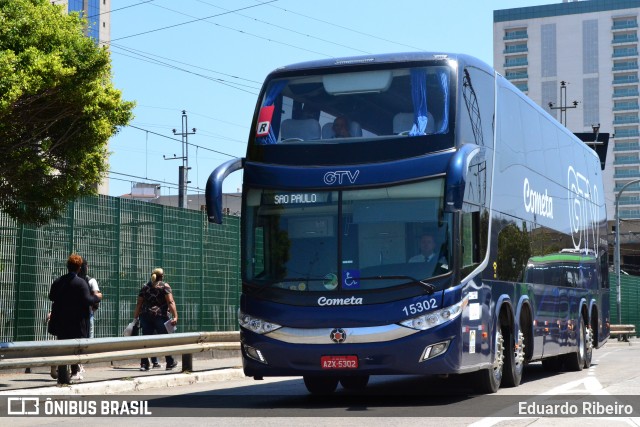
[[331, 178], [583, 210]]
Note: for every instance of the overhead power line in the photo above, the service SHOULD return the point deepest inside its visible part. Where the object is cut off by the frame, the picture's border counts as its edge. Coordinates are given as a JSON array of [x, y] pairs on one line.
[[271, 24], [120, 8], [146, 178], [244, 126], [192, 21], [180, 141], [246, 32], [345, 28], [144, 58], [142, 53]]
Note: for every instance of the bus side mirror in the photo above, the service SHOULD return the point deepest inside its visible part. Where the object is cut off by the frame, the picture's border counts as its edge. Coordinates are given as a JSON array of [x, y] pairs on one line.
[[457, 177], [213, 193]]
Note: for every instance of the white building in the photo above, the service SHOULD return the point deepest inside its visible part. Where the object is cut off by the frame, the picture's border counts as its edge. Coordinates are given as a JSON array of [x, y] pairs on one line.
[[592, 46]]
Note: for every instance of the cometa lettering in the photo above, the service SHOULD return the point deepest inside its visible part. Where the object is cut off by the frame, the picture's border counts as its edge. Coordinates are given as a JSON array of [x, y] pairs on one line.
[[322, 301], [537, 203]]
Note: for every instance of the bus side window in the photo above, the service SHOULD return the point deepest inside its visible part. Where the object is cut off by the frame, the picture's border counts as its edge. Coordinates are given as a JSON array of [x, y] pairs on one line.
[[514, 251], [470, 241]]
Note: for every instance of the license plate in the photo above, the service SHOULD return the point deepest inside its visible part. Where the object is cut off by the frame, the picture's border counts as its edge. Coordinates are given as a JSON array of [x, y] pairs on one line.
[[339, 362]]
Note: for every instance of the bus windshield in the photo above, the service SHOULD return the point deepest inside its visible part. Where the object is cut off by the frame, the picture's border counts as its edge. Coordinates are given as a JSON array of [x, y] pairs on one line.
[[348, 107], [347, 240]]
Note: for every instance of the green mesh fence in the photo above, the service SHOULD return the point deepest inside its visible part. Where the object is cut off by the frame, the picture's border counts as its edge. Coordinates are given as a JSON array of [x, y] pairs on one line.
[[629, 300], [123, 241]]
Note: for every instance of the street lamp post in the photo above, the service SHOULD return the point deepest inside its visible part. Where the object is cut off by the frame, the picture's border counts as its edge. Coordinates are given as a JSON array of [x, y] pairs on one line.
[[616, 256], [563, 103]]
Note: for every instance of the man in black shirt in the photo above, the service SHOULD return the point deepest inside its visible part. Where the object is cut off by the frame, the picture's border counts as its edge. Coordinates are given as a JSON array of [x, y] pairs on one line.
[[70, 310]]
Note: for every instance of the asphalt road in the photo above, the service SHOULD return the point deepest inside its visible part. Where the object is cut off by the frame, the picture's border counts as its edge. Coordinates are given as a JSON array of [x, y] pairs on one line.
[[611, 384]]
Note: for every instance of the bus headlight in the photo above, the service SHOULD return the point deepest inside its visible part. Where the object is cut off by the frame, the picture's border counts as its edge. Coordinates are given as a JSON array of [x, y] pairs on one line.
[[256, 325], [435, 318]]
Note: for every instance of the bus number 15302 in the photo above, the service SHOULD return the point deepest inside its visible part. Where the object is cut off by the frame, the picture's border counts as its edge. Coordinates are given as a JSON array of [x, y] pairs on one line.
[[420, 306]]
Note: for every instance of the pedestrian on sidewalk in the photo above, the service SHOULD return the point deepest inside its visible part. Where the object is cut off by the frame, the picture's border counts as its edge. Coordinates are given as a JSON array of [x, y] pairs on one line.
[[155, 302], [70, 311], [94, 289]]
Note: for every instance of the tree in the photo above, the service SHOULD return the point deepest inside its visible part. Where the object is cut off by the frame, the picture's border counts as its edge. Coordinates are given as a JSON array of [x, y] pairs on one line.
[[58, 109]]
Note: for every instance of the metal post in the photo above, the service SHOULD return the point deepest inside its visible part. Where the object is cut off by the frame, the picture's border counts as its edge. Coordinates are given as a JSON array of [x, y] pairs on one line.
[[183, 171], [187, 362], [563, 103], [616, 257]]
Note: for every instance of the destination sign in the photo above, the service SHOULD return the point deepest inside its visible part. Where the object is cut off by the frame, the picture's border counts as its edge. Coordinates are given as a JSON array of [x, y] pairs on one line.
[[295, 198]]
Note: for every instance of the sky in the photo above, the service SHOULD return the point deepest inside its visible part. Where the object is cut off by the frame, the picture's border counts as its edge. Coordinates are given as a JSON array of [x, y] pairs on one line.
[[210, 57]]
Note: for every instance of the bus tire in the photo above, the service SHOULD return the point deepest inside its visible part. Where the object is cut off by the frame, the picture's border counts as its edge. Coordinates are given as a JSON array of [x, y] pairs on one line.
[[575, 361], [320, 385], [513, 357], [588, 342], [354, 383], [488, 380]]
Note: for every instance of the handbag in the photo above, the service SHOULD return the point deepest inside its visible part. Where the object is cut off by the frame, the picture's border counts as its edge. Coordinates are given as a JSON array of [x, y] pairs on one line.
[[52, 325], [128, 331]]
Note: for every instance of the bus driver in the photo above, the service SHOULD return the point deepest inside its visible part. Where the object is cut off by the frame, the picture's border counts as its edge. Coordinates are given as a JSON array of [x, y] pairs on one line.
[[437, 264]]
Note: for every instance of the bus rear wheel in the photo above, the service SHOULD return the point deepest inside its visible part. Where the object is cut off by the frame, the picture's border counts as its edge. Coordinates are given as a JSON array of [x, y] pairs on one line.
[[588, 354], [320, 385], [575, 361], [354, 383]]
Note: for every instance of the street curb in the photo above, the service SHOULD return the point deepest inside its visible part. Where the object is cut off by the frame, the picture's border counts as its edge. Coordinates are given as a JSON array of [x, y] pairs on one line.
[[121, 386]]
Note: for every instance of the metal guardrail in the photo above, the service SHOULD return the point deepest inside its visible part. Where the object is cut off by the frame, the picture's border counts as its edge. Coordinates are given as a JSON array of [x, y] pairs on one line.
[[623, 332], [27, 354]]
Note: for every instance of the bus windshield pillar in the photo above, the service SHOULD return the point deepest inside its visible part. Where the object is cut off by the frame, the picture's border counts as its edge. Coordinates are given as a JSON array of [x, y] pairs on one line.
[[457, 177]]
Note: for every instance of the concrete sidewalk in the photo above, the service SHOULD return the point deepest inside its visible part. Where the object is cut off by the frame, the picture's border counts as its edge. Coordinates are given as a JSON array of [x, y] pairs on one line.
[[124, 376]]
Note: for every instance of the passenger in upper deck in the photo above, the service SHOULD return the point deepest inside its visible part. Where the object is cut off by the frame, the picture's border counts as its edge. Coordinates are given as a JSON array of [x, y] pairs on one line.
[[341, 127]]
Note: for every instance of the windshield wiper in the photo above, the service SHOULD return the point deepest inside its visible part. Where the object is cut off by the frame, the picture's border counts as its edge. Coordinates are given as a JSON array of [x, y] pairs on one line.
[[430, 288]]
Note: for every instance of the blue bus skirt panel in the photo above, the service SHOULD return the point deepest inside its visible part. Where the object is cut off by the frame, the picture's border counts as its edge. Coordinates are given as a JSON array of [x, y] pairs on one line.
[[397, 357]]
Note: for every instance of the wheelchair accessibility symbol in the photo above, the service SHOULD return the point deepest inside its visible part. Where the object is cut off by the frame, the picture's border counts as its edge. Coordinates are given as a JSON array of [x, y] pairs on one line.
[[351, 279]]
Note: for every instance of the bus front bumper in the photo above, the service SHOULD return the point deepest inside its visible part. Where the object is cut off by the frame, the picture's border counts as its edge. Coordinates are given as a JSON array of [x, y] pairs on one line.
[[432, 352]]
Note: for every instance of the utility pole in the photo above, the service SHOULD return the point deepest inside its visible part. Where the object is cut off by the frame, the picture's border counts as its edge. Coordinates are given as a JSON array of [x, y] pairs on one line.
[[563, 103], [183, 171]]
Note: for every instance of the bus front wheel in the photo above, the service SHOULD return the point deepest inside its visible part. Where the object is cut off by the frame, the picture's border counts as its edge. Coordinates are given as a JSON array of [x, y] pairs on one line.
[[488, 380], [320, 385]]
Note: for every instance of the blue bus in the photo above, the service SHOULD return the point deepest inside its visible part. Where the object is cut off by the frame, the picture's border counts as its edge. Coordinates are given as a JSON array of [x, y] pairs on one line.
[[398, 213]]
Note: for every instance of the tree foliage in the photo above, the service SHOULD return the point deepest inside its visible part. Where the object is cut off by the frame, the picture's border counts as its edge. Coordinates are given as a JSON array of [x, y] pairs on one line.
[[58, 109]]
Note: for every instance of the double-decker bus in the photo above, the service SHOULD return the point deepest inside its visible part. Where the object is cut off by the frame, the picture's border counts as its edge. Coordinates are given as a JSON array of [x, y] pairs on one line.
[[398, 213]]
